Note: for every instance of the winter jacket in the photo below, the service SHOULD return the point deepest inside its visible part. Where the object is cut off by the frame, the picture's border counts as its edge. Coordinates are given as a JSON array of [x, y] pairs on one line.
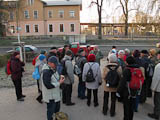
[[145, 62], [98, 55], [50, 85], [155, 86], [123, 88], [82, 61], [40, 64], [69, 77], [121, 63], [105, 72], [97, 74], [16, 68]]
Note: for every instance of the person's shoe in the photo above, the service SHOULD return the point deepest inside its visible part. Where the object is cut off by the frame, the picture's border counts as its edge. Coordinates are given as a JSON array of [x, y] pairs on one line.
[[96, 104], [82, 98], [104, 113], [23, 96], [70, 104], [88, 103], [20, 99], [40, 101], [112, 114], [135, 110], [152, 115]]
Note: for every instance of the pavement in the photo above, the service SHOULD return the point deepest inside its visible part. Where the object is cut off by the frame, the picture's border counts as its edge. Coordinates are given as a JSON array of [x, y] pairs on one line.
[[30, 109]]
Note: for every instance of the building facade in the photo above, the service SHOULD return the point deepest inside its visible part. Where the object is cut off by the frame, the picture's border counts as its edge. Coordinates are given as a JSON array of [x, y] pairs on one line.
[[36, 17]]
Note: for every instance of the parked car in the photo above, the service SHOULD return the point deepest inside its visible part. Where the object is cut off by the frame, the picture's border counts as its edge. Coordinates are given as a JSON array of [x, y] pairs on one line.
[[28, 48]]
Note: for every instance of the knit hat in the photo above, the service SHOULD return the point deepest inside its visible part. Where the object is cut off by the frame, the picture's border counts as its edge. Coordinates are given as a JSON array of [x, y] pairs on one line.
[[112, 58], [144, 51], [127, 50], [121, 52], [136, 53], [53, 59], [16, 53], [91, 58], [43, 52], [130, 60], [42, 57]]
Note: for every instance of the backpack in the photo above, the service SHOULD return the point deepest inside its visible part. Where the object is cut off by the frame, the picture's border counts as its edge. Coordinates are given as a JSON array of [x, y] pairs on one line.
[[90, 76], [112, 78], [61, 116], [64, 72], [150, 70], [77, 66], [136, 82], [8, 68], [35, 74]]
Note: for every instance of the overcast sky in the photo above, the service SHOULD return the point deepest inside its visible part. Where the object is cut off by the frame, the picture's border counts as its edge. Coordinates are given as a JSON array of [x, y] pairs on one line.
[[89, 14]]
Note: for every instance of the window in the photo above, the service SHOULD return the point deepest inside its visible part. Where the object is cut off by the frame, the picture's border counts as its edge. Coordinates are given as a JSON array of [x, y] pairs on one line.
[[27, 28], [26, 14], [36, 28], [35, 14], [11, 15], [72, 27], [61, 28], [72, 14], [50, 28], [61, 13], [30, 2], [12, 29], [49, 14]]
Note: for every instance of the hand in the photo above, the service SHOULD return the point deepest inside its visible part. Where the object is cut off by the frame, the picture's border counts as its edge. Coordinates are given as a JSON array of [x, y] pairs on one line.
[[61, 79]]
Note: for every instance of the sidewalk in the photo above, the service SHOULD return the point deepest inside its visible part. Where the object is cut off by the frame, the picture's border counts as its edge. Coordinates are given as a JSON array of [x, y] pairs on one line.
[[30, 109]]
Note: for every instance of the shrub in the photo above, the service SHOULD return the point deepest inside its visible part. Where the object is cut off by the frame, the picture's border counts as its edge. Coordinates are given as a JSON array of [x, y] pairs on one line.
[[3, 59]]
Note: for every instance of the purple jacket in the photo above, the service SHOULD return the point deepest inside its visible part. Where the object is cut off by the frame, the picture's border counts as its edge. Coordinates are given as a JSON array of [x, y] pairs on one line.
[[16, 68]]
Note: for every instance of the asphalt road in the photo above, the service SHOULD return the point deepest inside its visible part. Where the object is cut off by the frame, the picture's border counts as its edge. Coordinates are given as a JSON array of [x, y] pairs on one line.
[[104, 48]]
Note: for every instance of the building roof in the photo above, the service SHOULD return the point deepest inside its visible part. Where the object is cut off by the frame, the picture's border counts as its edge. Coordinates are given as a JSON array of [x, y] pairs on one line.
[[62, 2]]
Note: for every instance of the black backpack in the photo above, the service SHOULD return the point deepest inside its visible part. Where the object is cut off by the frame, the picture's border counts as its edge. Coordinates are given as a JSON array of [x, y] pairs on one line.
[[90, 76], [112, 78], [64, 72]]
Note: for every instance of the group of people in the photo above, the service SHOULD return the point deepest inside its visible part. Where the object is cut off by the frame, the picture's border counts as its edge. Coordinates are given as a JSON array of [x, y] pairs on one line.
[[57, 74]]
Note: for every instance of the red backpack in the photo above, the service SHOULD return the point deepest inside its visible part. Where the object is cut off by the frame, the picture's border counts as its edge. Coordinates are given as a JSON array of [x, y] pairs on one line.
[[137, 78], [8, 67]]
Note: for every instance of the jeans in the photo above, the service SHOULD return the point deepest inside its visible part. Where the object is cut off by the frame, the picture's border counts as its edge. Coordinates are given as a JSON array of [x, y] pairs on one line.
[[18, 88], [52, 107], [136, 103], [81, 89], [113, 102]]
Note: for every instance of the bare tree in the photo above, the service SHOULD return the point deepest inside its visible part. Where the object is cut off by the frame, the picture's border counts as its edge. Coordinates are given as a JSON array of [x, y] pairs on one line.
[[99, 4], [154, 5], [125, 8]]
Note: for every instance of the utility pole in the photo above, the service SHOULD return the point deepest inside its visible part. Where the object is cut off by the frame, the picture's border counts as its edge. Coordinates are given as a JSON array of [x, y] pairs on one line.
[[18, 29]]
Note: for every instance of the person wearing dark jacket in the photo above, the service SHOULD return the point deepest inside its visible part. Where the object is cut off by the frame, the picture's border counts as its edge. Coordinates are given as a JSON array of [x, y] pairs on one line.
[[81, 60], [52, 52], [16, 74], [128, 102], [147, 83]]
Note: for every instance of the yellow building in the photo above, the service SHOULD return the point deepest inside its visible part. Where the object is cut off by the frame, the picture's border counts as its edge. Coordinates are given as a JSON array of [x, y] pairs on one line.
[[37, 17]]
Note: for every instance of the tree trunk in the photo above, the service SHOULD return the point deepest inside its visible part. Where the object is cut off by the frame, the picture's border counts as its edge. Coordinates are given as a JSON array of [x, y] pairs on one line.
[[126, 27], [100, 27]]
